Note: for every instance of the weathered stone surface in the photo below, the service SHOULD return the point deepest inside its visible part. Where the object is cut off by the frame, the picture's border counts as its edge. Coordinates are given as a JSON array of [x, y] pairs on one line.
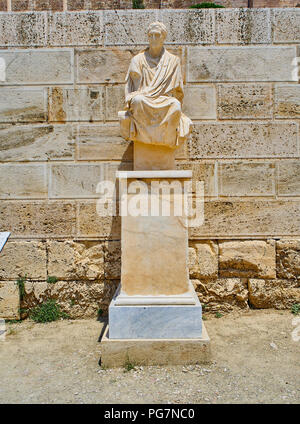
[[42, 66], [289, 178], [287, 101], [112, 251], [249, 218], [103, 142], [36, 143], [23, 105], [286, 25], [200, 102], [243, 26], [9, 300], [37, 219], [23, 258], [222, 294], [77, 299], [81, 180], [79, 104], [115, 101], [23, 181], [17, 5], [288, 258], [76, 29], [278, 294], [90, 224], [23, 29], [240, 101], [202, 171], [247, 258], [127, 27], [240, 63], [245, 140], [203, 260], [188, 26], [103, 65], [68, 260], [245, 178]]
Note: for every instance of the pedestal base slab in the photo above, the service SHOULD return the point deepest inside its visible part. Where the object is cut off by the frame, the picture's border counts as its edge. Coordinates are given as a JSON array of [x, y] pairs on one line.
[[118, 352]]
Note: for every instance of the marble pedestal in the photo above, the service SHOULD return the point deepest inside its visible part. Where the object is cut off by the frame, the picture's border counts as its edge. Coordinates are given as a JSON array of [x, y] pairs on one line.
[[155, 304]]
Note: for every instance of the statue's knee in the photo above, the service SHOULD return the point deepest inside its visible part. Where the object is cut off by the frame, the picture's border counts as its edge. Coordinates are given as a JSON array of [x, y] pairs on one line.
[[176, 105], [137, 100]]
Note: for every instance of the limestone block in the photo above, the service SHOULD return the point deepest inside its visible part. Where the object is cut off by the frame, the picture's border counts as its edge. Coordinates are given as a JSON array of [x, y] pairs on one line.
[[81, 180], [249, 218], [9, 300], [77, 299], [112, 251], [103, 65], [117, 352], [23, 105], [127, 27], [200, 102], [247, 258], [23, 181], [240, 63], [115, 101], [68, 260], [37, 218], [240, 101], [222, 294], [245, 140], [288, 258], [76, 29], [289, 178], [79, 104], [42, 66], [36, 142], [202, 171], [243, 26], [103, 142], [17, 5], [286, 25], [188, 26], [203, 260], [243, 178], [23, 29], [23, 258], [90, 224], [278, 294], [287, 101]]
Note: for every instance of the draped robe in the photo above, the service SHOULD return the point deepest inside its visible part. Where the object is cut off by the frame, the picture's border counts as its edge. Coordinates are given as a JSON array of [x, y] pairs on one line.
[[153, 98]]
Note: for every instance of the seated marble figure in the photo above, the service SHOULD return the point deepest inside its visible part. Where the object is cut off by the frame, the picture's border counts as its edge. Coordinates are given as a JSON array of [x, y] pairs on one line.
[[154, 95]]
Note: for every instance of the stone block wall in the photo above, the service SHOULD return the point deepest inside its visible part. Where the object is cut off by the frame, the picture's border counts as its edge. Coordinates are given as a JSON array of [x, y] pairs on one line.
[[80, 5], [61, 85]]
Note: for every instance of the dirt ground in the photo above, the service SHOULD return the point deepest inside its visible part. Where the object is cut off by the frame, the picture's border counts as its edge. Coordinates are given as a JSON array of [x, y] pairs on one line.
[[255, 360]]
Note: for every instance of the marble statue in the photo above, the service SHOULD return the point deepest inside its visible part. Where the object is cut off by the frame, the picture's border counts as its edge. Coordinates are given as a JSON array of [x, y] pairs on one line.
[[154, 95]]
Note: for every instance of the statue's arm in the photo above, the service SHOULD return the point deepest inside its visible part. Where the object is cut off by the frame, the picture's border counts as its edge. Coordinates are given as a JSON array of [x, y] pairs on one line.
[[132, 81]]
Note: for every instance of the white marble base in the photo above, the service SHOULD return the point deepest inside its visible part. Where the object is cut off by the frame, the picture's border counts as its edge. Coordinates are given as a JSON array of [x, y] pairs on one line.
[[160, 321]]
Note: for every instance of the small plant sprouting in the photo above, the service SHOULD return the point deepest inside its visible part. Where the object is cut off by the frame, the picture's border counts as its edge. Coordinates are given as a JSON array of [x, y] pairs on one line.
[[72, 302], [218, 315], [206, 5], [128, 365], [21, 285], [47, 312], [204, 318], [100, 312], [295, 309], [51, 279], [138, 4]]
